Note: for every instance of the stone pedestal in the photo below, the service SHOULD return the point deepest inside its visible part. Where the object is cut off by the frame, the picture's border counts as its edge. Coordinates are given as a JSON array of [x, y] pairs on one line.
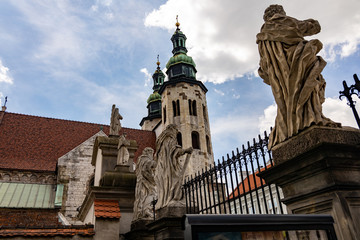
[[168, 223], [319, 173], [140, 231]]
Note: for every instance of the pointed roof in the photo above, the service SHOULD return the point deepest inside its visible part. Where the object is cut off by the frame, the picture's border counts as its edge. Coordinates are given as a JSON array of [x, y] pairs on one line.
[[35, 143]]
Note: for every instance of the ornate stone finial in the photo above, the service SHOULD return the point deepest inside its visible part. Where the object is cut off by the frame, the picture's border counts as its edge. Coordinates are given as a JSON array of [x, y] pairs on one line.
[[299, 90], [145, 185], [177, 24], [115, 124], [158, 62]]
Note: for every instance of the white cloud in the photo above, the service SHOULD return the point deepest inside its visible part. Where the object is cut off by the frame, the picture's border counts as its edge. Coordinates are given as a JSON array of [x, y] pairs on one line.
[[221, 34], [333, 108], [221, 93], [5, 75], [268, 119], [339, 111], [148, 76]]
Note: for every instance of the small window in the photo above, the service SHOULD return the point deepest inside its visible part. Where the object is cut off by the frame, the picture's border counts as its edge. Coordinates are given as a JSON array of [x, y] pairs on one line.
[[194, 108], [179, 139], [208, 144], [174, 108], [178, 107], [195, 140], [190, 112], [204, 113], [164, 114]]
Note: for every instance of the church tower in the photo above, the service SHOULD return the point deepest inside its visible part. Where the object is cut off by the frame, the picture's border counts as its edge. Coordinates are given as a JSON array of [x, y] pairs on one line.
[[154, 102], [183, 101]]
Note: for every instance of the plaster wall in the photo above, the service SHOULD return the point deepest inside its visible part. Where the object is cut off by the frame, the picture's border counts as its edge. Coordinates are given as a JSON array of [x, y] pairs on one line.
[[107, 229], [74, 171], [150, 124]]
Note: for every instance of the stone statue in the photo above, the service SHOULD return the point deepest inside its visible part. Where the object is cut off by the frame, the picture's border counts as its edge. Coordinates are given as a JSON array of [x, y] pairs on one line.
[[170, 169], [115, 124], [123, 152], [145, 185], [289, 64]]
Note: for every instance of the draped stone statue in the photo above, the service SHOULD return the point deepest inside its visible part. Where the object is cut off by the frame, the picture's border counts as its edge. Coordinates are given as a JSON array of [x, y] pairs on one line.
[[170, 170], [289, 64], [123, 152], [115, 124], [145, 185]]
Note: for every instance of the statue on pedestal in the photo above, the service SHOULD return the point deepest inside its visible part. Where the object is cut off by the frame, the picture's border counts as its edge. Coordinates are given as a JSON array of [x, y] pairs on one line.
[[289, 64], [115, 124], [123, 152], [170, 169], [145, 185]]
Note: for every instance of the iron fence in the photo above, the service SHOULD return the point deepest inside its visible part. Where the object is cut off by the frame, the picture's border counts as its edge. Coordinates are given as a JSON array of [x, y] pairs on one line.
[[232, 187]]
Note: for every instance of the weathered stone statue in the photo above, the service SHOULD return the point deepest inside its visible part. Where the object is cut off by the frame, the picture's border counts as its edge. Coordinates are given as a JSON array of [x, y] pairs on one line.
[[123, 153], [145, 185], [289, 64], [115, 124], [170, 169]]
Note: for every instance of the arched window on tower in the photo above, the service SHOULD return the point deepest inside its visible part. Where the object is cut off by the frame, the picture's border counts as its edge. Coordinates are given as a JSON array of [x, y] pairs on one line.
[[194, 108], [174, 108], [208, 144], [164, 114], [190, 112], [204, 113], [178, 107], [179, 139], [195, 140]]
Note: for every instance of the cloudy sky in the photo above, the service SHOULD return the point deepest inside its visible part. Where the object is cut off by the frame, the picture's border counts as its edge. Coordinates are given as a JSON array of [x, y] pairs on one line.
[[74, 59]]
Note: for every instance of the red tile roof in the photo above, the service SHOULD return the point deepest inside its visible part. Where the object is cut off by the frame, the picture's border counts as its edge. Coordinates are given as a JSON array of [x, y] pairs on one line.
[[49, 232], [245, 184], [35, 143], [107, 208]]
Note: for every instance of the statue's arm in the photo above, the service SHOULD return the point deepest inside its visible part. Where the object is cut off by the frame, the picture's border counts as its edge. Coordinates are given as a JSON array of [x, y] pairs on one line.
[[309, 27]]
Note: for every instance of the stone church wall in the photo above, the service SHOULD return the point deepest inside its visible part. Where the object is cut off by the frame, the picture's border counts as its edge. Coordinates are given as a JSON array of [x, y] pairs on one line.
[[74, 172]]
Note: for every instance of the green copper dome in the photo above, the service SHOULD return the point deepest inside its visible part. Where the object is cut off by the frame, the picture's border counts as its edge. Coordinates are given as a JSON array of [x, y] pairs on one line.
[[180, 58], [154, 97]]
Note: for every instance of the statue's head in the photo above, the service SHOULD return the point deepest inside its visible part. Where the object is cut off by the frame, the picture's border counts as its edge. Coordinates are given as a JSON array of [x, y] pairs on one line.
[[272, 10], [148, 151]]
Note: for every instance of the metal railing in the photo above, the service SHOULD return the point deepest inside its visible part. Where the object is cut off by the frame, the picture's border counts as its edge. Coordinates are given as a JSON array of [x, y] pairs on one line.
[[232, 187]]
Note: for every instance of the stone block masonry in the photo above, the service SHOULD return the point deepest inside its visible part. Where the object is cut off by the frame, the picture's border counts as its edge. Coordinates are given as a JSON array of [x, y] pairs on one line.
[[75, 171]]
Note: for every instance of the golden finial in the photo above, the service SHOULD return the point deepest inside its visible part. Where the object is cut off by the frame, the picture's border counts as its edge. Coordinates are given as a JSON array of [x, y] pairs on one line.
[[177, 24], [158, 63]]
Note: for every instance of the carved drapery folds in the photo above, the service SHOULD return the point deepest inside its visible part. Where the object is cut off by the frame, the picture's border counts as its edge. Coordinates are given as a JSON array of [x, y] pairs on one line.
[[145, 185], [172, 162], [289, 64]]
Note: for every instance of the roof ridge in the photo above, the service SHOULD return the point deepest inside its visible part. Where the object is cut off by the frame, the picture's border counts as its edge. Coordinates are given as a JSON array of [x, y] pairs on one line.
[[29, 115], [76, 121]]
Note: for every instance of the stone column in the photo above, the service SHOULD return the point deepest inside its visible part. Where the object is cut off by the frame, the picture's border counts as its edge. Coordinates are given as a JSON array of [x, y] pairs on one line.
[[319, 173]]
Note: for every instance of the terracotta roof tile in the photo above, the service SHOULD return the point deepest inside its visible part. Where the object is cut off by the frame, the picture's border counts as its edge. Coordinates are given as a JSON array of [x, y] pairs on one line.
[[245, 184], [106, 208], [35, 143]]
